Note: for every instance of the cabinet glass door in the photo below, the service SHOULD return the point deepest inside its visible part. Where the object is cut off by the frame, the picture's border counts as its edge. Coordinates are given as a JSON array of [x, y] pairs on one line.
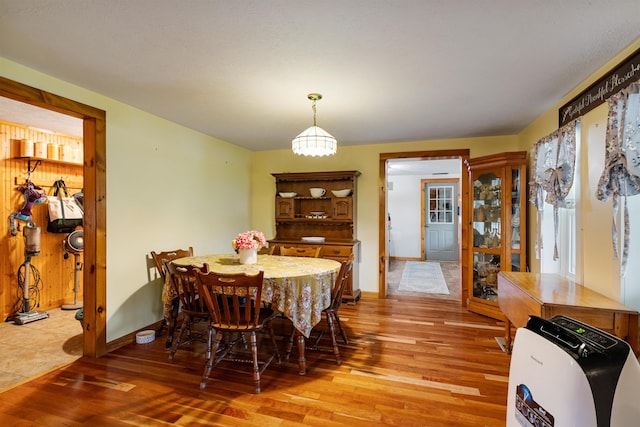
[[485, 275], [515, 219], [487, 211], [487, 235]]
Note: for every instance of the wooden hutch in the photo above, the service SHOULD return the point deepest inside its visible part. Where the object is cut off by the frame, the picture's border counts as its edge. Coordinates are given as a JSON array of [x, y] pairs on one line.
[[327, 221]]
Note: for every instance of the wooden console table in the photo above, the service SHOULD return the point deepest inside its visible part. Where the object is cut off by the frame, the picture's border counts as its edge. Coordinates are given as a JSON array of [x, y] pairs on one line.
[[547, 295]]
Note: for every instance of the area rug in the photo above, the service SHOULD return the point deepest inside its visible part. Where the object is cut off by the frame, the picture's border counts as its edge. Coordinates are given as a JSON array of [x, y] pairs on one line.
[[423, 277]]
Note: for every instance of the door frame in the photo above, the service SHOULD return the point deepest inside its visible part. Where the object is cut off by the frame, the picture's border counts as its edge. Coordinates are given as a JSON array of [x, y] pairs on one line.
[[423, 183], [94, 321], [463, 155]]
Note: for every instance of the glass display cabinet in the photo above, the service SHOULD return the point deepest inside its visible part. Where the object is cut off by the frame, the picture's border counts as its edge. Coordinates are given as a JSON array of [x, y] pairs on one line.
[[497, 189]]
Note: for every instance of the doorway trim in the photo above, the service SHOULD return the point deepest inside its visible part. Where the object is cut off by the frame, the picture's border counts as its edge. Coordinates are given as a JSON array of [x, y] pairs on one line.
[[95, 237], [463, 155]]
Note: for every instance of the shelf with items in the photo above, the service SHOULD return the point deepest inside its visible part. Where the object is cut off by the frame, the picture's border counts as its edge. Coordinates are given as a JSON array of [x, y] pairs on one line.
[[302, 207], [485, 275], [497, 204], [321, 208], [30, 159], [313, 220]]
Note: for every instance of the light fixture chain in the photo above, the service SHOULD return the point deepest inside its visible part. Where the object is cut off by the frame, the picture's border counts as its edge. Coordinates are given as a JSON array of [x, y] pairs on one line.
[[313, 107]]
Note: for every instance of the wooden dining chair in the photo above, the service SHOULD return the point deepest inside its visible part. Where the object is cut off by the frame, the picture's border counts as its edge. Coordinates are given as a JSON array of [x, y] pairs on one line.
[[235, 305], [331, 313], [158, 259], [193, 308], [303, 251]]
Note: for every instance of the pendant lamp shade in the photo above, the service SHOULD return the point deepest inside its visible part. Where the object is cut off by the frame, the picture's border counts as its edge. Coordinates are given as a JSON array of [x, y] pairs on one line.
[[314, 141]]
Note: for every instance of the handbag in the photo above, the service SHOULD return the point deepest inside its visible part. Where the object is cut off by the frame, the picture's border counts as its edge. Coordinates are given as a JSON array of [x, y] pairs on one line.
[[65, 214]]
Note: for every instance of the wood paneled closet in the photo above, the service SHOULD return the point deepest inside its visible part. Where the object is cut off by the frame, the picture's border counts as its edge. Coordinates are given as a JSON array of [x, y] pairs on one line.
[[56, 274]]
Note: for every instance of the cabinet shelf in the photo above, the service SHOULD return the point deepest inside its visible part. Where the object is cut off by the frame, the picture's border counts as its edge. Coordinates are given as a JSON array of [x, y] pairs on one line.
[[325, 177], [55, 162], [496, 251], [307, 198], [327, 221]]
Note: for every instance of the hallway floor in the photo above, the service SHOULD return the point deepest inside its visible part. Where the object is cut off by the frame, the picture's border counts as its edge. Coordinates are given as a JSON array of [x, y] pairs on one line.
[[450, 271], [35, 348]]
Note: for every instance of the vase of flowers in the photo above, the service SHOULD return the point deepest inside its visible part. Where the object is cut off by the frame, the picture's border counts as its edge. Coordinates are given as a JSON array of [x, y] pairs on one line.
[[247, 245]]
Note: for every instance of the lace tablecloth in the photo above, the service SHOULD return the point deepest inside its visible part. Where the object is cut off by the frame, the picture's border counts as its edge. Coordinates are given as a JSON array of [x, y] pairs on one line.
[[298, 287]]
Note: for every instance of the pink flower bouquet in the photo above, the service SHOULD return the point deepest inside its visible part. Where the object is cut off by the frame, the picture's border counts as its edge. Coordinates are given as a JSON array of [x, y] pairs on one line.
[[249, 240]]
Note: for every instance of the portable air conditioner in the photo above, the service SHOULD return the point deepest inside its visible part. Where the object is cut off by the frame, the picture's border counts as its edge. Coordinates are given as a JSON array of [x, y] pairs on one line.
[[566, 373]]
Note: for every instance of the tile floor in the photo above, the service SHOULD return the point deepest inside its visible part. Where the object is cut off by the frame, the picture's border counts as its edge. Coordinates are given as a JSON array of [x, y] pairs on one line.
[[450, 271], [38, 347]]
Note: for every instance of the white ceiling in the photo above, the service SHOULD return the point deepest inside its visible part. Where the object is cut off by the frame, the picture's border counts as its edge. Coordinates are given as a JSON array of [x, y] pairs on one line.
[[389, 71], [39, 118]]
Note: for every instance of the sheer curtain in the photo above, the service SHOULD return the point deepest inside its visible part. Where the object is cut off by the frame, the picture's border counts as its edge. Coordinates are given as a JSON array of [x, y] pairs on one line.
[[621, 174], [552, 177]]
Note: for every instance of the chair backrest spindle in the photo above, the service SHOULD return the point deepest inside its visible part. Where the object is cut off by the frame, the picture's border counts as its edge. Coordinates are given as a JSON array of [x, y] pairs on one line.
[[233, 300]]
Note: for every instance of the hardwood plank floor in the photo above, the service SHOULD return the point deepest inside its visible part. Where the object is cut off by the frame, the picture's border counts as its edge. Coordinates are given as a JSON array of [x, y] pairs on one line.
[[411, 362]]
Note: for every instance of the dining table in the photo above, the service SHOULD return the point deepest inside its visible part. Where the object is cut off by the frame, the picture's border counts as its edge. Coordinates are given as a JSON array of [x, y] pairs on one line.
[[298, 287]]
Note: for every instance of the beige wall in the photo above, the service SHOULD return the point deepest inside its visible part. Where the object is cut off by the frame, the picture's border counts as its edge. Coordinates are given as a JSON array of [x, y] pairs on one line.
[[167, 187]]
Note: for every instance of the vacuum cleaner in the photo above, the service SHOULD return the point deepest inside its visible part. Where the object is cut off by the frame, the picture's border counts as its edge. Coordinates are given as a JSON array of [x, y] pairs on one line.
[[31, 234], [566, 373], [74, 244]]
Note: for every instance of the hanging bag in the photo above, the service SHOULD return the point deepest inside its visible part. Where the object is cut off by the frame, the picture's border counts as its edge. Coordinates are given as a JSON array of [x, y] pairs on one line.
[[64, 212]]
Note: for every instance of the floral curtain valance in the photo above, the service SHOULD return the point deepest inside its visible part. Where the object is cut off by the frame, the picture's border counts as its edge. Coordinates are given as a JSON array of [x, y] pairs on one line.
[[552, 175], [621, 174]]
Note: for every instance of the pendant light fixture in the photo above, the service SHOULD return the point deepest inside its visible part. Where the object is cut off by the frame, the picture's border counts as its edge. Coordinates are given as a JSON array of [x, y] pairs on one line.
[[314, 141]]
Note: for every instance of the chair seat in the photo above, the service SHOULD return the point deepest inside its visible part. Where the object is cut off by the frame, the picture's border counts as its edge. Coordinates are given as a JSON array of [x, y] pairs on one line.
[[266, 315]]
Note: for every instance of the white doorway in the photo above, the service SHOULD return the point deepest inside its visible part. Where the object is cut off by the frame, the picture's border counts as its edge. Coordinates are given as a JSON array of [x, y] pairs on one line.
[[402, 210]]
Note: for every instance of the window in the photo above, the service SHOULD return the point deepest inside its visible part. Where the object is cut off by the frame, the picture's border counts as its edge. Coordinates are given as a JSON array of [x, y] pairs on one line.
[[441, 204], [554, 191]]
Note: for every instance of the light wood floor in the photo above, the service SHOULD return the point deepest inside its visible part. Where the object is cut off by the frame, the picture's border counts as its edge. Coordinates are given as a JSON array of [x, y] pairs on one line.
[[412, 362]]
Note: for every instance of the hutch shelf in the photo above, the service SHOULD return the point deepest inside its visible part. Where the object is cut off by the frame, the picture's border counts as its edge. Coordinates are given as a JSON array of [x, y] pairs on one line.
[[328, 221], [497, 191]]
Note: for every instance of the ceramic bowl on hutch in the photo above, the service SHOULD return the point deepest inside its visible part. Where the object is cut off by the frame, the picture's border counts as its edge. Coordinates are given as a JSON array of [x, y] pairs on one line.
[[287, 195], [317, 192], [341, 193]]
